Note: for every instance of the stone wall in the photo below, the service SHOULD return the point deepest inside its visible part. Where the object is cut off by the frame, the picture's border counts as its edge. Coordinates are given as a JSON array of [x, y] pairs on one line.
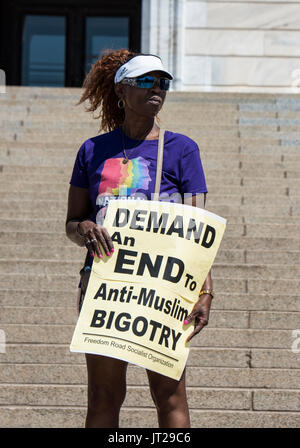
[[230, 46]]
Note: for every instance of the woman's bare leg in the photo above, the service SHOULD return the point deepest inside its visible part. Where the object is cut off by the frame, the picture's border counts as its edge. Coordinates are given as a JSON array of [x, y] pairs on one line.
[[106, 390], [170, 399]]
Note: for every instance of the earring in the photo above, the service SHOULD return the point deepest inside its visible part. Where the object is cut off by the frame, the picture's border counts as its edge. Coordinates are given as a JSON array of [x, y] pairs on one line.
[[121, 103]]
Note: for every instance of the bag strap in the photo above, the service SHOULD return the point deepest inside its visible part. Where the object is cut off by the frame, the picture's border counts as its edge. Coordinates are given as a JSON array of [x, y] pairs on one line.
[[160, 151]]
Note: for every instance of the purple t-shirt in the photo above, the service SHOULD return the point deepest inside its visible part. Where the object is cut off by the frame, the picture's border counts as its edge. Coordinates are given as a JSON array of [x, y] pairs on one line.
[[98, 167]]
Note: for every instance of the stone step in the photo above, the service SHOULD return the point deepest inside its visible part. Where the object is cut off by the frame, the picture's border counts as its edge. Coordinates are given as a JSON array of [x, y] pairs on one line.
[[35, 238], [265, 320], [210, 142], [75, 139], [68, 105], [147, 418], [252, 165], [15, 91], [235, 185], [59, 182], [267, 121], [74, 417], [68, 315], [279, 104], [210, 337], [67, 252], [11, 151], [245, 101], [75, 395], [212, 201], [233, 126], [27, 214], [284, 150], [182, 121], [60, 354], [268, 132], [210, 163], [171, 118], [61, 196], [198, 398], [177, 107], [285, 192], [45, 267], [171, 114], [177, 98], [207, 140], [76, 253], [60, 189], [67, 146], [210, 160], [220, 150], [265, 257], [214, 377], [216, 193], [57, 226], [40, 170], [40, 282], [252, 199], [198, 356], [57, 124], [59, 170], [35, 177], [260, 243], [225, 300], [13, 209], [233, 243], [70, 282], [39, 151], [267, 183]]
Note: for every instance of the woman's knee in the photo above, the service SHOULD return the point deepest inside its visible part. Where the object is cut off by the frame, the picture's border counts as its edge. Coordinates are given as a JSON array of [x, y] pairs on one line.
[[166, 393], [106, 397], [166, 398]]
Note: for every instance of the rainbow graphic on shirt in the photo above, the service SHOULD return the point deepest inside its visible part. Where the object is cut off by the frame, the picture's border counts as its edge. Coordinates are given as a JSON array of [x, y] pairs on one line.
[[119, 178]]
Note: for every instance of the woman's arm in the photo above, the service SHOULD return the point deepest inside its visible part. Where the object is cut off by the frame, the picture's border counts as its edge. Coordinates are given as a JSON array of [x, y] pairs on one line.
[[201, 308], [78, 209], [80, 229]]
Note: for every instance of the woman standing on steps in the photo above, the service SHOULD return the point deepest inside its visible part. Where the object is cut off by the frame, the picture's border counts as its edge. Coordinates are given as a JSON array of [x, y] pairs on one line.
[[130, 88]]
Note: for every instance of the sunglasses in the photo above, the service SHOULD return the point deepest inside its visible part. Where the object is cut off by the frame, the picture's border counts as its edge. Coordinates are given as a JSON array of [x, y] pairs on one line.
[[147, 82]]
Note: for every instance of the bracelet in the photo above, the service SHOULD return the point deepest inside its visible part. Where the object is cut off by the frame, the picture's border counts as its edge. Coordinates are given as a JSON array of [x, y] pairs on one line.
[[207, 291]]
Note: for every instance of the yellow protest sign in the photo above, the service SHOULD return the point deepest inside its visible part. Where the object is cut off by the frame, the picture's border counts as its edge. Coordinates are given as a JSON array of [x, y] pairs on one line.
[[138, 298]]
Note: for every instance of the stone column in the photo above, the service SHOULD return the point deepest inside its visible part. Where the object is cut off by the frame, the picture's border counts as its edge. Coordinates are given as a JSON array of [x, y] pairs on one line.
[[163, 34]]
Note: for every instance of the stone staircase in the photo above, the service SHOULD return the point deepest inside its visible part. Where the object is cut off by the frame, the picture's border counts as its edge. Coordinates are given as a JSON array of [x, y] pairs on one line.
[[242, 371]]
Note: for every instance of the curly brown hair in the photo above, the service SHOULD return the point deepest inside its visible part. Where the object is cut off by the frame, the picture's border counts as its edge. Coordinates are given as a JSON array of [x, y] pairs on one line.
[[99, 88]]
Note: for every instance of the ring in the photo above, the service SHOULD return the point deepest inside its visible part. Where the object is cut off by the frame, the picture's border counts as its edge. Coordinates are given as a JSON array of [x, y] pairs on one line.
[[91, 241]]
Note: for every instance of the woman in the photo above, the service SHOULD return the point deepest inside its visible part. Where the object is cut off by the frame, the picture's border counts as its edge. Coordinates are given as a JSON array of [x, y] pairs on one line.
[[131, 89]]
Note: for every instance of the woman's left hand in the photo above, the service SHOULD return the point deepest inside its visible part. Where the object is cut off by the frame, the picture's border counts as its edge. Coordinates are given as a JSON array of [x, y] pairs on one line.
[[200, 313]]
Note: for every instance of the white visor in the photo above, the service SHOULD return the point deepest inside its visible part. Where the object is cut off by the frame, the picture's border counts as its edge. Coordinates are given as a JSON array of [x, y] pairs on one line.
[[139, 65]]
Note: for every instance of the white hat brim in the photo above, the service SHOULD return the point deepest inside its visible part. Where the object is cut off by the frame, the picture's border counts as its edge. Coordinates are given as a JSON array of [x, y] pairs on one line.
[[140, 65]]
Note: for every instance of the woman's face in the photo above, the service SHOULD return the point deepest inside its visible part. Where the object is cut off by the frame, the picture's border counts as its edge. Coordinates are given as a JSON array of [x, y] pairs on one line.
[[145, 102]]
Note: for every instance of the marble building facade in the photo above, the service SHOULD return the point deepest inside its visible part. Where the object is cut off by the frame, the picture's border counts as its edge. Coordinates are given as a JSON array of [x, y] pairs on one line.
[[229, 46]]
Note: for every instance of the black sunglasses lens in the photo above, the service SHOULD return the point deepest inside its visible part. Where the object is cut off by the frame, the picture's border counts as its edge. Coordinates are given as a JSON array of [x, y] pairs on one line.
[[145, 82], [164, 84]]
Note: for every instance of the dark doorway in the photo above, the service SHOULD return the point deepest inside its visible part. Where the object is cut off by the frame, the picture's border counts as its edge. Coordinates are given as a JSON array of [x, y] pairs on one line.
[[54, 42]]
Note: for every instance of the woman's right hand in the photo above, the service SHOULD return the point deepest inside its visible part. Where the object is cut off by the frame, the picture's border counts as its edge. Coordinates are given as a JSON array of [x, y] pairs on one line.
[[96, 238]]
